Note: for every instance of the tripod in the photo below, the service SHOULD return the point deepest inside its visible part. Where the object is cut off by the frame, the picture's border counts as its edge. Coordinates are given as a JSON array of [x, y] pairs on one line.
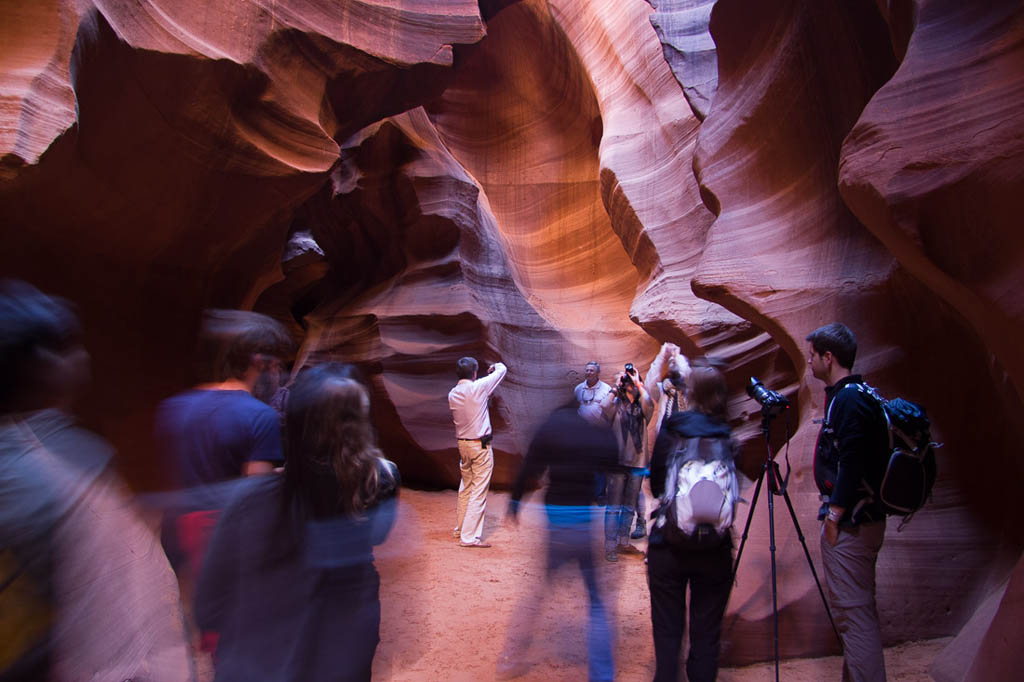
[[775, 488]]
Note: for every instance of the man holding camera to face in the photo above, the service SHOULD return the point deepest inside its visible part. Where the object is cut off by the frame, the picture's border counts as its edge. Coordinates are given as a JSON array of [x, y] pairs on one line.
[[629, 408], [468, 402]]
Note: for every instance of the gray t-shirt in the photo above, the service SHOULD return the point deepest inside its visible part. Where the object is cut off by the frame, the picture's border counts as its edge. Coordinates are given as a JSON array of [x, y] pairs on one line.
[[589, 400]]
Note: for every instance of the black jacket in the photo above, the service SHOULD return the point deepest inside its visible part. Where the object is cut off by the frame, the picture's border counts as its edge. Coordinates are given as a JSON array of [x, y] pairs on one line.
[[687, 424], [850, 451], [573, 451]]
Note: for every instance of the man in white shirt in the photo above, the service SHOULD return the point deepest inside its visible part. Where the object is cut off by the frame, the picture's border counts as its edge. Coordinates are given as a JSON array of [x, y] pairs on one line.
[[468, 403], [589, 394]]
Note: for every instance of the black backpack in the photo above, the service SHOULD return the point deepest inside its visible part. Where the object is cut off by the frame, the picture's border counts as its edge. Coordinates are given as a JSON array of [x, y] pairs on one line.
[[910, 467]]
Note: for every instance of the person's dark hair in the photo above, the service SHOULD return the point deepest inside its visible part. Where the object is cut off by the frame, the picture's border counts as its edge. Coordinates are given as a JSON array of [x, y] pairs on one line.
[[332, 460], [29, 321], [228, 340], [466, 368], [340, 370], [707, 392], [837, 339]]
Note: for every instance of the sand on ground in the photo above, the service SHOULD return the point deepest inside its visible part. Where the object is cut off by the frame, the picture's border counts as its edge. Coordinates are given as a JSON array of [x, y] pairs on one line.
[[445, 609]]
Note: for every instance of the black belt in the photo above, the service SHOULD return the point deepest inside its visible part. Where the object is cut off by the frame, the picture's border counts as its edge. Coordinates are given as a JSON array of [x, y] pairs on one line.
[[484, 440]]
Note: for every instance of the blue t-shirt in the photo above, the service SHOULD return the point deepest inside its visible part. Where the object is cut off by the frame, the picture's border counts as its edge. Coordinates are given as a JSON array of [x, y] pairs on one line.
[[210, 434]]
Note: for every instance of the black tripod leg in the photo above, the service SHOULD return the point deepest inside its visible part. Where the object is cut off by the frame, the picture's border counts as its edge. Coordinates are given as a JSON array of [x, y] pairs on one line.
[[775, 590], [750, 516], [810, 563]]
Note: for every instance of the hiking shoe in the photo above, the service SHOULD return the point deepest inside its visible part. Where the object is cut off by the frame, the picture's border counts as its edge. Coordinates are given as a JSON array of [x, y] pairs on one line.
[[477, 543], [630, 550], [611, 556], [639, 532]]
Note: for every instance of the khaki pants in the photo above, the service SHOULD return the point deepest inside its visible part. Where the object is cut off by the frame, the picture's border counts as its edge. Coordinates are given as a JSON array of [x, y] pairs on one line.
[[850, 579], [476, 463]]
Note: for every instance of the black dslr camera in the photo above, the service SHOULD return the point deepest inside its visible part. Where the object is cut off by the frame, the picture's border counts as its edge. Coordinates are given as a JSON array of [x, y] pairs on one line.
[[626, 380], [772, 403]]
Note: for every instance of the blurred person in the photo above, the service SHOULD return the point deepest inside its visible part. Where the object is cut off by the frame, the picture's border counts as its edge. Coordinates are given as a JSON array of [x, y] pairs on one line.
[[220, 429], [85, 592], [675, 560], [468, 403], [667, 365], [279, 399], [289, 580], [666, 383], [630, 408], [573, 450], [853, 524]]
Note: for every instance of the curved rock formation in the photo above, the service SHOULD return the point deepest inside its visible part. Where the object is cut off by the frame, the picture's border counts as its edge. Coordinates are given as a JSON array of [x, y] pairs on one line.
[[194, 137], [36, 100], [936, 178], [549, 182], [682, 27]]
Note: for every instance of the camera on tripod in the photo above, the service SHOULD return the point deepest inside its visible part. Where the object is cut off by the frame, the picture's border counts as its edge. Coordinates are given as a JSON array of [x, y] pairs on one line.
[[772, 403]]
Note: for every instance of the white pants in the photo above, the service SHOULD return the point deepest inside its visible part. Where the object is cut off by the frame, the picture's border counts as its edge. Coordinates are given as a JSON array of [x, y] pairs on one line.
[[476, 463]]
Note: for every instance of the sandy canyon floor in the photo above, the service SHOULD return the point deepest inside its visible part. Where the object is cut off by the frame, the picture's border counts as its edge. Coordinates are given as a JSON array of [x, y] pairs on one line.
[[446, 609]]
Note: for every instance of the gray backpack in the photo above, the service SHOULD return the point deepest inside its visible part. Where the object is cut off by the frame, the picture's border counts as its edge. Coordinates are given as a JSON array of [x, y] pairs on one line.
[[701, 492]]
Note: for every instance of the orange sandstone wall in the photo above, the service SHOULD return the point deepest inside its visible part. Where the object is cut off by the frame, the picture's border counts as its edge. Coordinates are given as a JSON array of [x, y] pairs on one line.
[[545, 183]]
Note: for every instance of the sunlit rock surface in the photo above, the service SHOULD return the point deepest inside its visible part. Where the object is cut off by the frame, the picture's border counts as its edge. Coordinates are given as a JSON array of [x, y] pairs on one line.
[[682, 27], [547, 183]]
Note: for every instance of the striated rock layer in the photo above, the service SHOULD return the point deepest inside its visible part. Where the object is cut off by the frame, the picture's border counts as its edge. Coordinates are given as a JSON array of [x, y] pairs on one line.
[[937, 178], [682, 27], [191, 138], [546, 183]]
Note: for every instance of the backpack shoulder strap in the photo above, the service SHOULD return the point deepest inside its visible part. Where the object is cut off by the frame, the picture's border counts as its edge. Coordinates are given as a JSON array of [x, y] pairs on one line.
[[681, 448], [828, 412], [868, 390], [864, 388]]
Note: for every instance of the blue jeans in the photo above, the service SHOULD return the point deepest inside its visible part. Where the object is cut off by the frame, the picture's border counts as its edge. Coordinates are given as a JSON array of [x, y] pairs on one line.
[[569, 541], [623, 488]]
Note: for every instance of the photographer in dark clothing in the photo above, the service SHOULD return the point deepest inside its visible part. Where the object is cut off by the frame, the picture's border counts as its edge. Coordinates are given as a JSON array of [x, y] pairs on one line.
[[847, 454], [673, 562], [573, 451]]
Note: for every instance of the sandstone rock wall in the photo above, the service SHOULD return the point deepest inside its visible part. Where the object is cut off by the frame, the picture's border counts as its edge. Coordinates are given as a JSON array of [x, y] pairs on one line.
[[546, 183]]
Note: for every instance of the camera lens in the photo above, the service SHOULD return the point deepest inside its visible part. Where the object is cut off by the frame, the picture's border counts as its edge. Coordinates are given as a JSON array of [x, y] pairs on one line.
[[756, 390], [772, 403]]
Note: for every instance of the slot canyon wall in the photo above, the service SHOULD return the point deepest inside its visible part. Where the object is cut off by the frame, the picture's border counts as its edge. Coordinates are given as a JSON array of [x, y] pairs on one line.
[[545, 183]]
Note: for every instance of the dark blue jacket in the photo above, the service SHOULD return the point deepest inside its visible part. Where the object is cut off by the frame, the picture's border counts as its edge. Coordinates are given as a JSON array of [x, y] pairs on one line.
[[850, 450]]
